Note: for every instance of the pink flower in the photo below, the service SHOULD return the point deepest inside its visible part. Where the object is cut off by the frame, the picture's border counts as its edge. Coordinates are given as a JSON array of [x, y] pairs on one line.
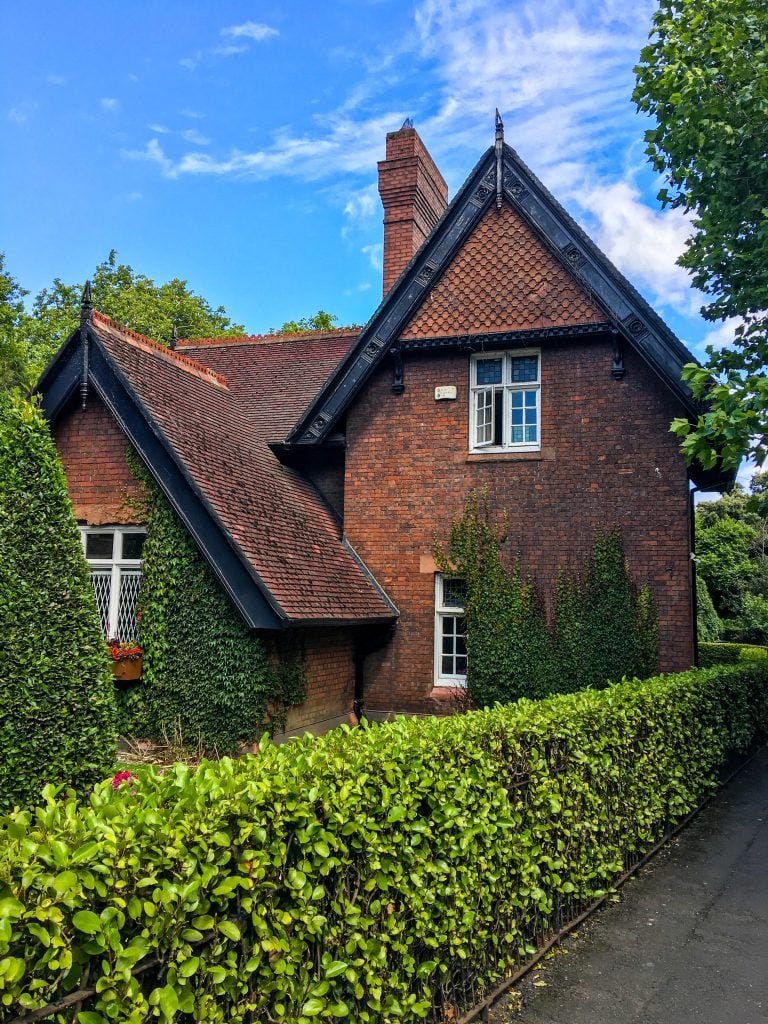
[[121, 777]]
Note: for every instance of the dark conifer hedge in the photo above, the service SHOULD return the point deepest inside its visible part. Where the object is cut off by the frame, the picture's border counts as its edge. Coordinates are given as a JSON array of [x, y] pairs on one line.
[[56, 691]]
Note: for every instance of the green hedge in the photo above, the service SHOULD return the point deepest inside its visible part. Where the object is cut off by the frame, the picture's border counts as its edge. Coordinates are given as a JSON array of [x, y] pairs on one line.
[[56, 693], [368, 875], [730, 654]]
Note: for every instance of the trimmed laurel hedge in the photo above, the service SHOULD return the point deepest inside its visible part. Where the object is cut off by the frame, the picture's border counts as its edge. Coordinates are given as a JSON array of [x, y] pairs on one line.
[[729, 654], [369, 875], [56, 691]]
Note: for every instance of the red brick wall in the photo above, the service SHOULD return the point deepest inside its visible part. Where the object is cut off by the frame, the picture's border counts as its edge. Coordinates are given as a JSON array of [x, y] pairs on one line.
[[607, 459], [93, 450], [330, 676]]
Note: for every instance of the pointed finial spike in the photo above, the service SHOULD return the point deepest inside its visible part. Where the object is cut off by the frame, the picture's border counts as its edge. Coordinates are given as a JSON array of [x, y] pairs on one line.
[[499, 147], [174, 336], [86, 305], [407, 123]]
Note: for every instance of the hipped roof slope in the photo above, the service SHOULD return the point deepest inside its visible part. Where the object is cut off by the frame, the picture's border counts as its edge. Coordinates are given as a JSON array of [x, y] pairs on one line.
[[274, 377]]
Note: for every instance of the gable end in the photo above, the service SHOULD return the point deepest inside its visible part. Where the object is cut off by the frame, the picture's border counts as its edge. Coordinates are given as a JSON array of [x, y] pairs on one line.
[[236, 577], [626, 311]]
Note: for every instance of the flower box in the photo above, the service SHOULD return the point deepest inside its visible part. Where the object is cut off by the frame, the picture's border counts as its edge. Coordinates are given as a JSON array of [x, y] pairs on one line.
[[126, 659], [127, 669]]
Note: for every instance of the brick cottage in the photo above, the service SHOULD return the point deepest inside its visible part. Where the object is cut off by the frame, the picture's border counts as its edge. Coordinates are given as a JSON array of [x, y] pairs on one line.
[[314, 471]]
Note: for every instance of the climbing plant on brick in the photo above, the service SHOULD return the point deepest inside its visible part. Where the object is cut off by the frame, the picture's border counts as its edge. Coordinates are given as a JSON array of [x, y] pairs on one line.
[[603, 626], [207, 680], [56, 693]]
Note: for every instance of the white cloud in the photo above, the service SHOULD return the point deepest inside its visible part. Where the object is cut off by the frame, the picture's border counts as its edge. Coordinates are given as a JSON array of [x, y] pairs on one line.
[[643, 243], [195, 137], [152, 153], [110, 104], [345, 147], [723, 335], [228, 51], [374, 254], [250, 30], [160, 129], [193, 114], [362, 204], [190, 63], [22, 112]]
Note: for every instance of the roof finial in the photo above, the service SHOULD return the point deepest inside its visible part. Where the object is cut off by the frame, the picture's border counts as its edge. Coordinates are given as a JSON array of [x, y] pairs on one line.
[[174, 336], [407, 123], [86, 305], [86, 308], [499, 146]]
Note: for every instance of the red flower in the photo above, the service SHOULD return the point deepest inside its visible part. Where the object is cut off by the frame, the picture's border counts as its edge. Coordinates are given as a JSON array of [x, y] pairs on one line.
[[123, 776]]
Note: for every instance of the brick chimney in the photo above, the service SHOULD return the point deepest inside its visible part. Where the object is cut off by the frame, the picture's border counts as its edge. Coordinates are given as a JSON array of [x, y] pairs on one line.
[[414, 195]]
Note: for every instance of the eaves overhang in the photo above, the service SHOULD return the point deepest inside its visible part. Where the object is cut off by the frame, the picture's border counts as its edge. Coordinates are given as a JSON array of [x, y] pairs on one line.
[[627, 313], [57, 385]]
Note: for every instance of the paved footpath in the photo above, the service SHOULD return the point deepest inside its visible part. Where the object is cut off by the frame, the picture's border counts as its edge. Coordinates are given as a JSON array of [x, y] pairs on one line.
[[688, 940]]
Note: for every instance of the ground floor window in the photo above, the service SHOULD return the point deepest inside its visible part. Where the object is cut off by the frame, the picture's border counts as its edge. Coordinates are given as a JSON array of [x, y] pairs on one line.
[[450, 631], [114, 559]]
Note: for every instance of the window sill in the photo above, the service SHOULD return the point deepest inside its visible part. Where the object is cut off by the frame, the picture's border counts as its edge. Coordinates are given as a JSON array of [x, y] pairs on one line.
[[543, 455], [447, 690]]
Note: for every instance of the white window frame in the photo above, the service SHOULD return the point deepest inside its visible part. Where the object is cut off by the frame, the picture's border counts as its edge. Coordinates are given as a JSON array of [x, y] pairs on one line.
[[507, 388], [115, 566], [443, 612]]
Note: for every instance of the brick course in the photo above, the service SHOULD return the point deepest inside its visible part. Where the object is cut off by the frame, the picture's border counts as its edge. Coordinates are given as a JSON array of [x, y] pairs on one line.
[[93, 451], [328, 659]]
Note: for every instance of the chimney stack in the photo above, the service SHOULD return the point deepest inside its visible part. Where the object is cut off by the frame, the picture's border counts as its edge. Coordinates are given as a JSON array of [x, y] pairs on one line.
[[414, 195]]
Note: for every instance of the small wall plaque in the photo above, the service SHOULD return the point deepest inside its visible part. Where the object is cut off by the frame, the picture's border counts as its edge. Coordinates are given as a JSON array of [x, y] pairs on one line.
[[447, 391]]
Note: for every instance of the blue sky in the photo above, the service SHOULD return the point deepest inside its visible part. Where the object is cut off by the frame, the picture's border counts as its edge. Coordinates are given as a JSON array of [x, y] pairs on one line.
[[234, 144]]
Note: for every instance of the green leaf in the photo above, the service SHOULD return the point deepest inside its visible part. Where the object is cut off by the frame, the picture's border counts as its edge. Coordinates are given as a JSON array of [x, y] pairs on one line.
[[169, 1001], [230, 929], [313, 1006], [86, 922], [11, 908]]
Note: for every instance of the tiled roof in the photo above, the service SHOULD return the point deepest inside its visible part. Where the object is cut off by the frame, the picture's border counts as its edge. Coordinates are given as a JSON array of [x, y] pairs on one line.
[[274, 377], [274, 516], [502, 279]]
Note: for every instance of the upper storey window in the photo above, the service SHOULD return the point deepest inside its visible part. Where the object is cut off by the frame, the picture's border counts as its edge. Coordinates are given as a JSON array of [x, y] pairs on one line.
[[505, 412]]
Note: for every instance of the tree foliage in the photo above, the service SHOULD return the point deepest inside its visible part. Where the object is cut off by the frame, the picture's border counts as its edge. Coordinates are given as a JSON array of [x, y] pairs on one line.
[[13, 356], [732, 559], [320, 321], [129, 298], [29, 339], [56, 690], [704, 78]]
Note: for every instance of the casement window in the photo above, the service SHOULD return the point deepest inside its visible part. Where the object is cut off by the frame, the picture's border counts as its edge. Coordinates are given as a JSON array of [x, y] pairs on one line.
[[114, 560], [450, 632], [505, 397]]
